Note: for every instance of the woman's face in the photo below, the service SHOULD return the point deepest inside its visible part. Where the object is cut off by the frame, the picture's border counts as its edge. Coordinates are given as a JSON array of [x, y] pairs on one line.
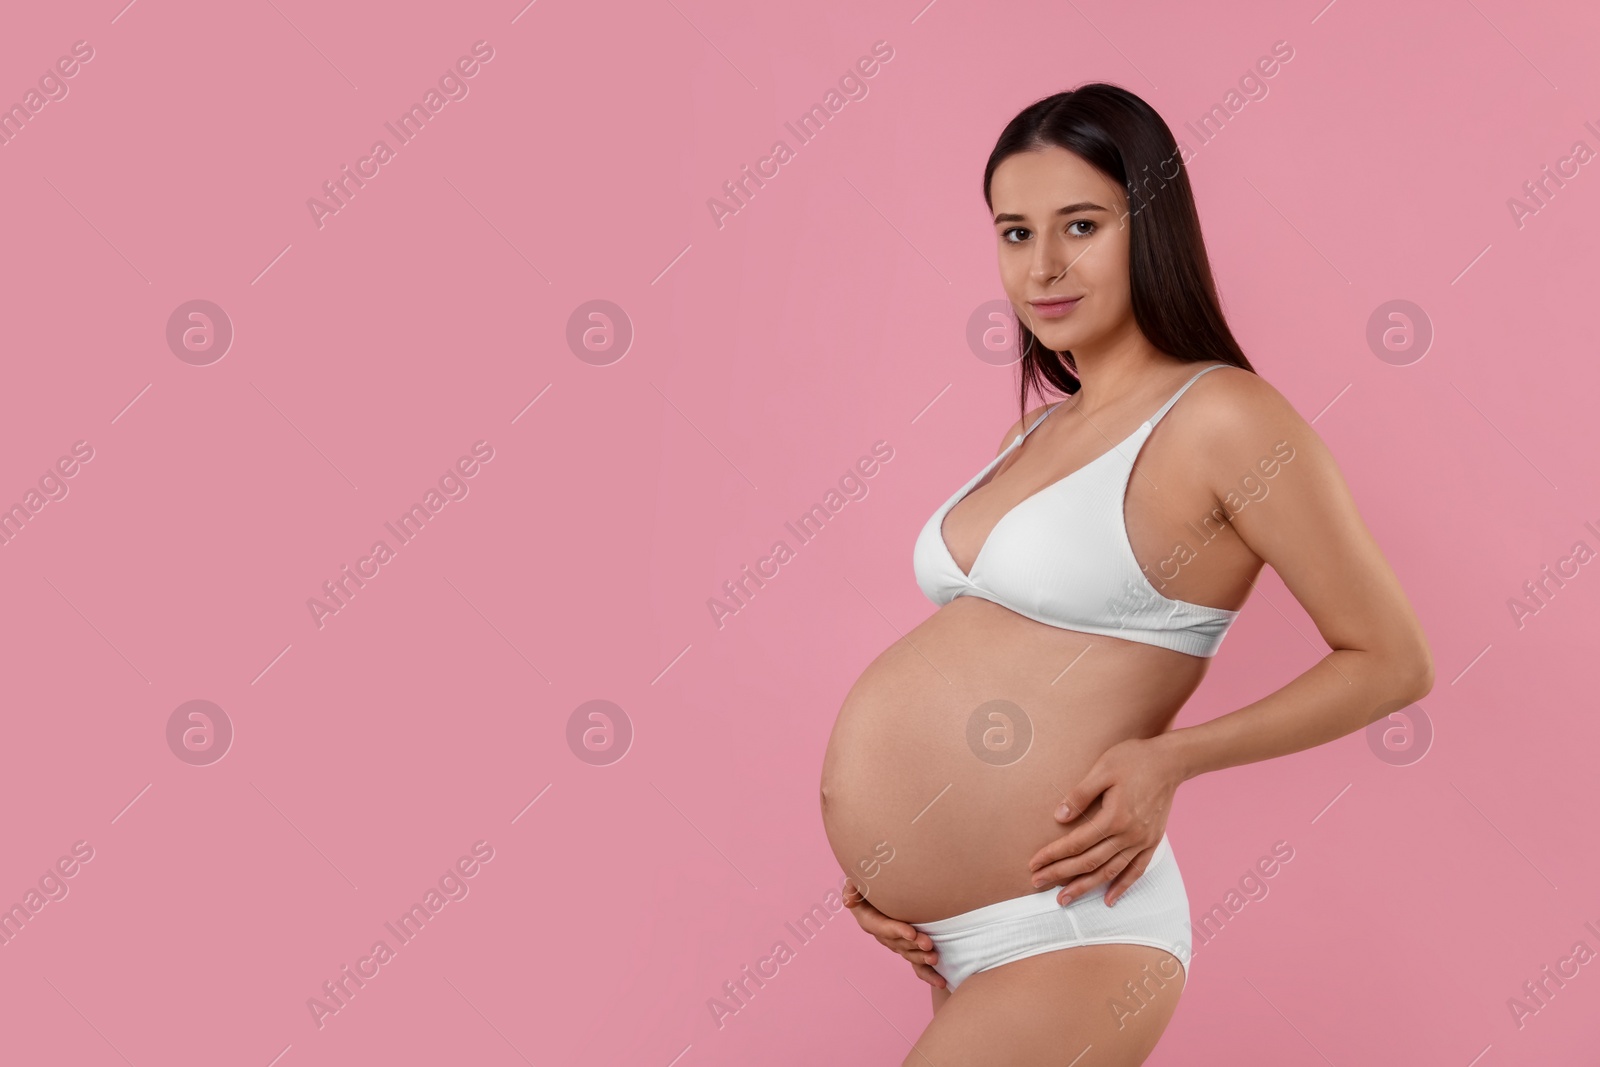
[[1062, 233]]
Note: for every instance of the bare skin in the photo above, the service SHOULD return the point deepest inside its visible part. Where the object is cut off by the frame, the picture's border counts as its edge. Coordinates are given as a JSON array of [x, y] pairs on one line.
[[966, 832], [1052, 1007]]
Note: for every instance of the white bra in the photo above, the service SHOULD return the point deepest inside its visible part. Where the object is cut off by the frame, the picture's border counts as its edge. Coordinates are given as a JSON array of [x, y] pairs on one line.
[[1062, 556]]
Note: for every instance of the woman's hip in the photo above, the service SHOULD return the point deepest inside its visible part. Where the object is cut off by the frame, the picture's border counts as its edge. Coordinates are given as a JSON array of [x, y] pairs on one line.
[[1154, 911]]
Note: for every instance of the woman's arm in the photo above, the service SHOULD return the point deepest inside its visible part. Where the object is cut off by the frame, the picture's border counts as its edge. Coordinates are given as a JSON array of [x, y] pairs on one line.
[[1305, 525], [1309, 531]]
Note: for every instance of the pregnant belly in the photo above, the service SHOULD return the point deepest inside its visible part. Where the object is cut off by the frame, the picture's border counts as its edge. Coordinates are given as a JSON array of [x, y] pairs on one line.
[[954, 747]]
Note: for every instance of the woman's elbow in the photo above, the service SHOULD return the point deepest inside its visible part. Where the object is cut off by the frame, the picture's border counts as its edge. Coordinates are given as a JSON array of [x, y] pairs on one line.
[[1415, 668], [1424, 677], [1402, 679]]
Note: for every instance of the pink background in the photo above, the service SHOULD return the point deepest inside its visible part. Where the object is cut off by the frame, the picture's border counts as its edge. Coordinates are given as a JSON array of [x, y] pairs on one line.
[[768, 355]]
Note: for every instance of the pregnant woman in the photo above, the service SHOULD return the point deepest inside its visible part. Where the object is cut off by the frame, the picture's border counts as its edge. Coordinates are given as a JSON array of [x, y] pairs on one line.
[[998, 782]]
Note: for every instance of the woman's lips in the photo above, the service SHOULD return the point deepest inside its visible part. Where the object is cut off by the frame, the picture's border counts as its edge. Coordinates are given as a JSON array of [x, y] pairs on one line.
[[1054, 309]]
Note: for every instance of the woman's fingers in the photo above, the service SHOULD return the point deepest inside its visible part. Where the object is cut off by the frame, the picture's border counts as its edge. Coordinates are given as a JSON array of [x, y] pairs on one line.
[[880, 925], [918, 957], [918, 949], [911, 950], [1094, 825], [903, 938], [1131, 861], [1130, 874], [1061, 872], [903, 931], [929, 975], [921, 943]]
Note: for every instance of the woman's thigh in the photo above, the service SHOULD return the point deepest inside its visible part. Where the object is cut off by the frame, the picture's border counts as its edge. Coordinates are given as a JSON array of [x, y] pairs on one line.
[[1087, 1006]]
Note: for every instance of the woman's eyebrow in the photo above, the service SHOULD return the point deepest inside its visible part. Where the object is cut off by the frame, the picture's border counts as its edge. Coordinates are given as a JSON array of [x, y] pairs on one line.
[[1070, 209]]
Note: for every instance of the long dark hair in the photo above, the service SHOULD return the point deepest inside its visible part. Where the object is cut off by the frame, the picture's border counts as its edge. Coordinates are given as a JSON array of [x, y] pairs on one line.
[[1174, 297]]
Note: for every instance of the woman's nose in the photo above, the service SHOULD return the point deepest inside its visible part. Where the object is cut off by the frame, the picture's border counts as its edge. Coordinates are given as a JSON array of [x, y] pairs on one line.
[[1048, 265], [1052, 259]]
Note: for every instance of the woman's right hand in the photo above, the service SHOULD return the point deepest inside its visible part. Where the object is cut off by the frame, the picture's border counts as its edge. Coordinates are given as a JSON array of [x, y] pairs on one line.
[[907, 940]]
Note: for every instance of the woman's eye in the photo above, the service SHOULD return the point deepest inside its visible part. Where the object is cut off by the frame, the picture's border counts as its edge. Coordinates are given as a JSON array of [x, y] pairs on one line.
[[1088, 224]]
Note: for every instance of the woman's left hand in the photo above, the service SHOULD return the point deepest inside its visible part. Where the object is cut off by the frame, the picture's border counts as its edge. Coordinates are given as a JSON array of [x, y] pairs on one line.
[[1135, 781]]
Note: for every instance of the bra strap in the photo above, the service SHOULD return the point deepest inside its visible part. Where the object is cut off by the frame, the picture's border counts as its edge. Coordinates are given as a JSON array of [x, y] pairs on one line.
[[1040, 419], [1168, 405]]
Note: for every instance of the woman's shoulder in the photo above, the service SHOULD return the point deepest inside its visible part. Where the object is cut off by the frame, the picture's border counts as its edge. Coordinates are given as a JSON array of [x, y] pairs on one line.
[[1233, 395], [1232, 411]]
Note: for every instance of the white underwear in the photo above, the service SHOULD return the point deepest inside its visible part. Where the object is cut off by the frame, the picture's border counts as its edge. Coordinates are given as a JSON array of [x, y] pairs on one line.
[[1153, 911]]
